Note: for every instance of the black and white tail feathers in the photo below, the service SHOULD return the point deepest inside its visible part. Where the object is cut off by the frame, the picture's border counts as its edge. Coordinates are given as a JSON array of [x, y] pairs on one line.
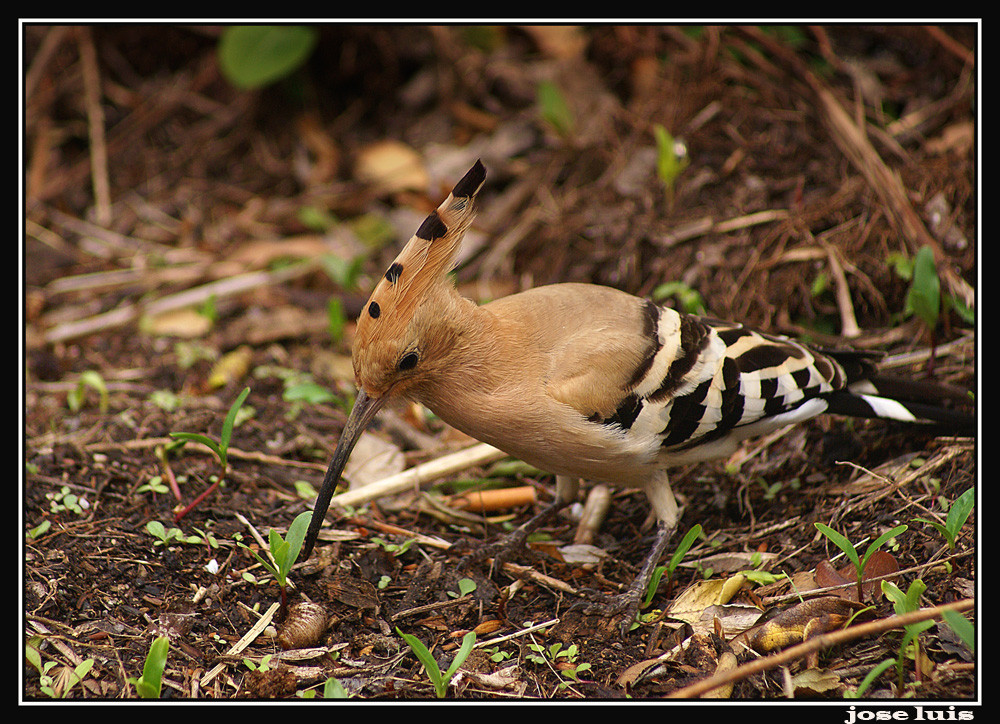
[[874, 394]]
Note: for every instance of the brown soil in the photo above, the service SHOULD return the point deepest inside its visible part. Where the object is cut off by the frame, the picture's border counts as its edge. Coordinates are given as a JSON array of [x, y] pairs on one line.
[[147, 175]]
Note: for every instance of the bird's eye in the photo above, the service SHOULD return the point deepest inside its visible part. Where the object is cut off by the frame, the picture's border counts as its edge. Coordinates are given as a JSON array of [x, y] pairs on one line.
[[408, 361]]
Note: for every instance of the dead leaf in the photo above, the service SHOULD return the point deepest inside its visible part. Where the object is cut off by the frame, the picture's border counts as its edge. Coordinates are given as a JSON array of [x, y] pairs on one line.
[[558, 41], [186, 322], [353, 591], [373, 459], [231, 367], [815, 681], [795, 624], [391, 166]]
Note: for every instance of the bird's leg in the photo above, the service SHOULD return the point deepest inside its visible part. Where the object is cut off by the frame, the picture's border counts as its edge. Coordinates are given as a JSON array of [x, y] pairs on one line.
[[627, 603]]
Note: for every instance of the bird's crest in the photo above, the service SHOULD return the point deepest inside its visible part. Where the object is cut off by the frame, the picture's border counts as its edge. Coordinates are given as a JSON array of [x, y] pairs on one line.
[[423, 263]]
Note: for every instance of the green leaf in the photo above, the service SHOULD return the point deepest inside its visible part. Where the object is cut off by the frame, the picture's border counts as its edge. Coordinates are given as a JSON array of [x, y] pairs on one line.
[[336, 318], [203, 439], [311, 392], [333, 689], [227, 425], [466, 586], [867, 681], [961, 626], [554, 108], [671, 157], [252, 56], [960, 510], [150, 685], [841, 542], [296, 535], [878, 543], [924, 297], [425, 658], [468, 641], [684, 547]]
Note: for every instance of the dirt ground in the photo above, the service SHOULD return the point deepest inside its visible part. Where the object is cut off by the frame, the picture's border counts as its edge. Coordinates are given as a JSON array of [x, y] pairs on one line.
[[184, 239]]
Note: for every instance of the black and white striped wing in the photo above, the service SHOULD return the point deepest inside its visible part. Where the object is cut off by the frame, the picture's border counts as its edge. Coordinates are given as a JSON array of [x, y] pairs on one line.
[[711, 384]]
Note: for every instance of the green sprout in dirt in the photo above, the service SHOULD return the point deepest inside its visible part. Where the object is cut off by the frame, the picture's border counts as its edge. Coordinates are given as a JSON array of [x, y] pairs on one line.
[[92, 379], [867, 681], [924, 296], [148, 685], [220, 448], [852, 555], [903, 603], [671, 159], [264, 665], [924, 299], [154, 485], [439, 680], [958, 513], [65, 500], [465, 587], [59, 685], [395, 549], [682, 549], [282, 552], [555, 653], [165, 536], [332, 689]]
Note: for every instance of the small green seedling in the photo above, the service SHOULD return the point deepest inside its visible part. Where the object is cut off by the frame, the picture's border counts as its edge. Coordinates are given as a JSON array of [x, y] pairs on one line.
[[58, 686], [65, 500], [396, 549], [282, 552], [867, 681], [675, 560], [155, 485], [671, 159], [554, 653], [465, 587], [903, 603], [265, 663], [220, 448], [845, 545], [92, 379], [439, 680], [496, 655], [958, 513], [164, 536], [336, 319], [40, 529], [332, 689], [924, 296], [148, 685]]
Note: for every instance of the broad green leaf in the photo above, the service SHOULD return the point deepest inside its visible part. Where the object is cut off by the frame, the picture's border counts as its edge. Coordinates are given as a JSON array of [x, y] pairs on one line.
[[252, 56]]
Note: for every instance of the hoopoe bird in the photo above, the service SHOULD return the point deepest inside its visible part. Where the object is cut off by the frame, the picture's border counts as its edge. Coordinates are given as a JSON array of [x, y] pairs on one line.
[[586, 381]]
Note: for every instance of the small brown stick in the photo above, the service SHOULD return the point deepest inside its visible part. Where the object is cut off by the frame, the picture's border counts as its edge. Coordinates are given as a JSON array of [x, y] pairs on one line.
[[95, 126]]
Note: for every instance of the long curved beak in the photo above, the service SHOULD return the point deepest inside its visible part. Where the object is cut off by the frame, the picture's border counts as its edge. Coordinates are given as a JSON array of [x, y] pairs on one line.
[[361, 416]]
